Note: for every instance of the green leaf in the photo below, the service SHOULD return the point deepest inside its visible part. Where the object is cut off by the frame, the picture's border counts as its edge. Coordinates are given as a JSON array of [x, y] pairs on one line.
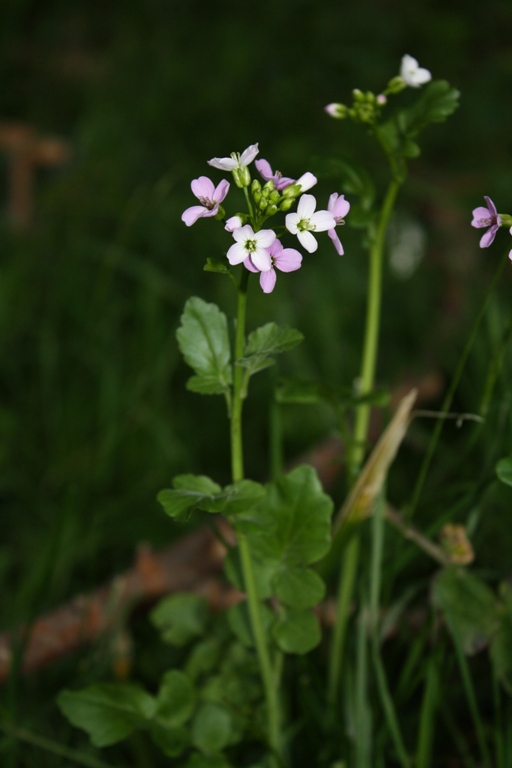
[[214, 265], [175, 700], [504, 470], [207, 761], [242, 496], [108, 712], [297, 631], [469, 607], [204, 343], [501, 647], [266, 341], [211, 728], [437, 101], [172, 741], [180, 617], [299, 587], [191, 491]]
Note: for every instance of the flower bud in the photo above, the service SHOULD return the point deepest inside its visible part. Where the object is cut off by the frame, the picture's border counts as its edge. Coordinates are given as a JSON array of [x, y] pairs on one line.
[[255, 186], [262, 204], [265, 192], [270, 186], [235, 222], [395, 85], [274, 196], [358, 95], [271, 210], [338, 111], [242, 177], [286, 203], [257, 196]]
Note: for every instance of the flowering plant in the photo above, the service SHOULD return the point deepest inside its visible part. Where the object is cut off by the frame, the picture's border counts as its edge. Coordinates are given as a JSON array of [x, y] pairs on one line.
[[252, 690]]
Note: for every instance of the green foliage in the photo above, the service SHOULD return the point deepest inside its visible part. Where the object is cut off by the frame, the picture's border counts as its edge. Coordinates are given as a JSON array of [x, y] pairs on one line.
[[297, 631], [212, 728], [204, 343], [501, 647], [199, 492], [180, 618], [504, 470], [265, 342], [469, 607]]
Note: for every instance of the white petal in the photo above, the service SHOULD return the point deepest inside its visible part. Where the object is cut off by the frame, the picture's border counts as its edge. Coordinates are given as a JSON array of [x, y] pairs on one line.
[[307, 241], [243, 233], [265, 237], [291, 221], [323, 220], [236, 254], [261, 259], [306, 181], [306, 206], [223, 163], [248, 155]]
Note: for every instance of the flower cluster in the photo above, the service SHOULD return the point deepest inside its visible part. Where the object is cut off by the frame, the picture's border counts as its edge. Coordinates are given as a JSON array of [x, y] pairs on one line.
[[489, 217], [366, 107], [260, 250]]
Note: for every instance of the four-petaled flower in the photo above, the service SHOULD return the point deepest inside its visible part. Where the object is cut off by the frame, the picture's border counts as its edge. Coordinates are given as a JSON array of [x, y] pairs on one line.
[[339, 207], [305, 221], [236, 160], [267, 174], [412, 74], [486, 217], [284, 259], [209, 196], [252, 244]]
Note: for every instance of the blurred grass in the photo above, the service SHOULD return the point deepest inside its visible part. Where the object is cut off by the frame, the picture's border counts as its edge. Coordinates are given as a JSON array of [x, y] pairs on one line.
[[94, 418]]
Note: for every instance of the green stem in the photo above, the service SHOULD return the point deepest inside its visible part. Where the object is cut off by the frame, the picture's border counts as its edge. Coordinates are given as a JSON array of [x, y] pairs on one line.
[[371, 338], [237, 467], [473, 706], [451, 391]]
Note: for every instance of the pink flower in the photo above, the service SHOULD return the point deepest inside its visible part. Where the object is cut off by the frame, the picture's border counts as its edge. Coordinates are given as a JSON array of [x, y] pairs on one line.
[[252, 244], [209, 197], [235, 222], [486, 217], [267, 174], [284, 259], [305, 221], [339, 207]]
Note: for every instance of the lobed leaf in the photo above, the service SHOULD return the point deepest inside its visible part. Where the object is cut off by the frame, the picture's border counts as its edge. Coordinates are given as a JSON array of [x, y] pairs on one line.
[[191, 491], [266, 341], [204, 343], [211, 728], [176, 699], [180, 617], [297, 631]]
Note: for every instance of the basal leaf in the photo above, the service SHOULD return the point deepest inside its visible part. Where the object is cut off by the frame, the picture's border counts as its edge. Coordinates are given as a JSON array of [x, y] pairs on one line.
[[175, 700], [190, 492], [299, 587], [469, 606], [211, 728], [504, 470], [204, 342], [172, 741], [297, 631], [180, 617], [108, 712]]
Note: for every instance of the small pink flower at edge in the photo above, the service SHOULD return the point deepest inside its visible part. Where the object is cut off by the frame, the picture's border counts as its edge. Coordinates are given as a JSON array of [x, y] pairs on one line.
[[209, 196], [284, 259], [486, 217], [267, 174], [339, 207]]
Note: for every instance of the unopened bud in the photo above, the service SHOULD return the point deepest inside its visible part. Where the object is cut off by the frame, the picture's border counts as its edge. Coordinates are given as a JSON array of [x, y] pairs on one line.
[[358, 95], [255, 186], [274, 196], [235, 222], [286, 203], [271, 210], [395, 85], [338, 111], [257, 196], [262, 204], [269, 185]]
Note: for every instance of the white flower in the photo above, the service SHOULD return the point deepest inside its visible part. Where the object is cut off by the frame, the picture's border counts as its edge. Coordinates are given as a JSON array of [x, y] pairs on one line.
[[306, 221], [235, 222], [306, 181], [412, 74], [236, 160], [253, 244]]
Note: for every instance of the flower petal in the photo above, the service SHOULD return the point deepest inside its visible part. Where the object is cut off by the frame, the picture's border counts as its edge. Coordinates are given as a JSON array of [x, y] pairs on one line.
[[264, 169], [481, 217], [291, 221], [338, 206], [265, 237], [234, 222], [276, 248], [191, 215], [203, 187], [488, 237], [221, 191], [248, 155], [306, 207], [306, 181], [288, 260], [307, 241], [261, 259], [236, 254], [268, 280], [223, 163], [323, 220], [490, 206], [283, 182], [243, 233], [249, 265], [336, 241]]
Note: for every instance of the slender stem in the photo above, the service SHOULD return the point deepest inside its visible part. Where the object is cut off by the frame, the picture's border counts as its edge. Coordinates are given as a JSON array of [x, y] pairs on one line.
[[371, 338], [473, 706], [237, 466], [451, 391]]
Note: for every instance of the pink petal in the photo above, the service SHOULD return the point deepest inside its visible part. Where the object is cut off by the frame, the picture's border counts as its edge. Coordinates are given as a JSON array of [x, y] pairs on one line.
[[481, 217], [191, 215], [336, 241], [203, 187], [249, 265], [276, 248], [220, 191], [264, 169], [488, 237], [283, 182], [288, 260], [490, 205], [338, 206], [268, 280]]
